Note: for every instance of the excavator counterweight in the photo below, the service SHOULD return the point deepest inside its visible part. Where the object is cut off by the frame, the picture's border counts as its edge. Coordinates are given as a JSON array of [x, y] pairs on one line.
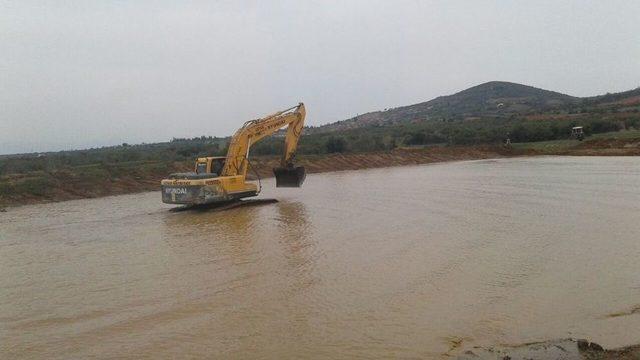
[[224, 179]]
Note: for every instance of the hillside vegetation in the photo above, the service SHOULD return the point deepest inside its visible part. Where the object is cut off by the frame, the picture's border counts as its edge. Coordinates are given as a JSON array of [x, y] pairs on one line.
[[486, 114], [492, 99]]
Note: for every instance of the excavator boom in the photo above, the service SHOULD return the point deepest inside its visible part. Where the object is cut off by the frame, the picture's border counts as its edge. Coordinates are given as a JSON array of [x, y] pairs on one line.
[[254, 130]]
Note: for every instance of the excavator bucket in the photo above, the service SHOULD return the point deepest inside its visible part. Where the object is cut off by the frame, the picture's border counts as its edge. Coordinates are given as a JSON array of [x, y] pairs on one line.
[[289, 176]]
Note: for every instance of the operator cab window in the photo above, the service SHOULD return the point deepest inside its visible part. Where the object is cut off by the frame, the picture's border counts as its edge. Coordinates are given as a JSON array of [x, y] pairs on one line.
[[201, 168], [216, 166]]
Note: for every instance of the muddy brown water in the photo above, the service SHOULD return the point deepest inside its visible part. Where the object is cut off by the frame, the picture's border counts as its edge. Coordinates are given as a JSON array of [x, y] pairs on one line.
[[418, 261]]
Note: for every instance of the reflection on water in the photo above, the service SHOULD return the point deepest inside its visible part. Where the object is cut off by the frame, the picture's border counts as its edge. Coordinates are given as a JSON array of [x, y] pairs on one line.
[[295, 233], [418, 261]]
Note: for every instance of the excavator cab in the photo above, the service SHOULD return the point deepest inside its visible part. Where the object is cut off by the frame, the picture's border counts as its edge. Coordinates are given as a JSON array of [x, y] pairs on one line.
[[210, 165], [289, 176]]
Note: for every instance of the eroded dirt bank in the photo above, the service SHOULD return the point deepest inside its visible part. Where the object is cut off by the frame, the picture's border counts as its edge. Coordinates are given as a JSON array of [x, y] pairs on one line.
[[113, 180], [398, 157], [565, 349], [117, 179]]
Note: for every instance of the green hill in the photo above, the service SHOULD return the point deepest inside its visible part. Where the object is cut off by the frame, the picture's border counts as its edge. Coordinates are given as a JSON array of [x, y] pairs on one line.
[[484, 114], [495, 99]]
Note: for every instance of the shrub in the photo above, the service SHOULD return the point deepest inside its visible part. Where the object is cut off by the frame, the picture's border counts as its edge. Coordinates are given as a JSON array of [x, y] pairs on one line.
[[335, 145]]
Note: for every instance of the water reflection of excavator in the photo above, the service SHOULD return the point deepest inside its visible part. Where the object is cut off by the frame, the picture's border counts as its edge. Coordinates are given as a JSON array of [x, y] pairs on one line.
[[219, 180]]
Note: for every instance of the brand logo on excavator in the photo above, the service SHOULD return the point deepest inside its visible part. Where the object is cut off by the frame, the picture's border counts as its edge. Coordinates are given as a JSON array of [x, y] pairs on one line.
[[177, 191]]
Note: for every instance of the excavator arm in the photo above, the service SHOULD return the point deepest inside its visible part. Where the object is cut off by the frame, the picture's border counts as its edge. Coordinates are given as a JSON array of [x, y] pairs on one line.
[[294, 131], [252, 131]]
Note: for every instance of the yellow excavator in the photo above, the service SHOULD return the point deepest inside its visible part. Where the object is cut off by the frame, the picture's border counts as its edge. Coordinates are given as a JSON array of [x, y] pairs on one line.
[[219, 180]]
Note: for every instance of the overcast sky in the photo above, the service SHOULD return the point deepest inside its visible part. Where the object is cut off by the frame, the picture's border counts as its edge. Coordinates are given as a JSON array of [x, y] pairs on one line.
[[79, 74]]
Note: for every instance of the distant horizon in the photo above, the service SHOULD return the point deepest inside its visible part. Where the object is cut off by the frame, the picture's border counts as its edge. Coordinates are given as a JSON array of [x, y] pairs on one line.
[[308, 125], [87, 73]]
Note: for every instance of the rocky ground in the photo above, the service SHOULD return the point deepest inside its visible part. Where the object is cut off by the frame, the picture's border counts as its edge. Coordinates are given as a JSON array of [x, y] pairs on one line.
[[565, 349]]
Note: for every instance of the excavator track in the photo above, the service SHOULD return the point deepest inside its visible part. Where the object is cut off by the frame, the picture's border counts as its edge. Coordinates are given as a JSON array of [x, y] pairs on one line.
[[224, 206]]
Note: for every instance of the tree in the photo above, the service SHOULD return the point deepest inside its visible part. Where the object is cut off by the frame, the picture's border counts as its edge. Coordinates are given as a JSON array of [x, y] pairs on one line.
[[335, 145], [417, 138]]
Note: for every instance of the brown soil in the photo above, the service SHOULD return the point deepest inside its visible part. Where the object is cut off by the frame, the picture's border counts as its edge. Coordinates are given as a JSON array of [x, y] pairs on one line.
[[398, 157], [605, 147], [70, 186]]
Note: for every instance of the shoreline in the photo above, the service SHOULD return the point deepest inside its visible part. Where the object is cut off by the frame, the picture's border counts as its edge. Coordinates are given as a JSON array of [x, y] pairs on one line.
[[553, 349], [130, 178], [122, 179]]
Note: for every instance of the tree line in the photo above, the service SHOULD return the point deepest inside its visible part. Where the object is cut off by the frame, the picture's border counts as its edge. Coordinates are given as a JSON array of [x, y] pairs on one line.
[[376, 138]]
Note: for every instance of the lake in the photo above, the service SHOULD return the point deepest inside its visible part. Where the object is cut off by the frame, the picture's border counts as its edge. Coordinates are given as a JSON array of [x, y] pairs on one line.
[[418, 261]]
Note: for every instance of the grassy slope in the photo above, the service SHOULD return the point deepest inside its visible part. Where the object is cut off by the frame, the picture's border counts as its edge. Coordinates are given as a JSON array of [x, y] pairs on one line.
[[611, 143]]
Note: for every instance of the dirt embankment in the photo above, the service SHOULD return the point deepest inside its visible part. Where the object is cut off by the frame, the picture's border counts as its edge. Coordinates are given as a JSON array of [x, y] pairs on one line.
[[398, 157], [105, 180], [82, 182], [613, 147], [125, 178]]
